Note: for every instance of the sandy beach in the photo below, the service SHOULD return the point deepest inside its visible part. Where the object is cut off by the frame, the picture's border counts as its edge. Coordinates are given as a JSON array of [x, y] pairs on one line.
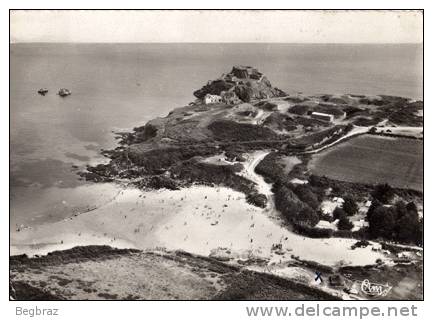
[[191, 219]]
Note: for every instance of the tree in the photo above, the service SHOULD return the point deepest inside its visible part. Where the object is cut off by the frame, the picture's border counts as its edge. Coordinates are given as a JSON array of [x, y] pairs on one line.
[[411, 206], [400, 209], [383, 193], [382, 222], [408, 223], [286, 201], [407, 228], [373, 206], [344, 224], [338, 213], [350, 206], [307, 216], [306, 195]]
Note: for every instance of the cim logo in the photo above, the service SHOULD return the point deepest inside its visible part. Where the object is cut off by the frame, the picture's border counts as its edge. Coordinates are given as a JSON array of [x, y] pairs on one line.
[[374, 289]]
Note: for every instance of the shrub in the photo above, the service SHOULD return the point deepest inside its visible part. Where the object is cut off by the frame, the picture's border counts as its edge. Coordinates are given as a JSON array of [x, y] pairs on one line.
[[345, 224], [228, 130], [299, 109], [257, 199], [412, 207], [338, 213], [373, 206], [313, 232], [350, 206], [160, 182], [382, 222], [383, 193], [352, 111], [270, 168], [287, 202], [366, 122], [407, 228], [344, 234], [308, 217], [306, 195]]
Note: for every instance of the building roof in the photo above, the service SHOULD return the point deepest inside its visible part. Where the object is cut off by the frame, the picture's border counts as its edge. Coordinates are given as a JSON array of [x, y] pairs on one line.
[[322, 114]]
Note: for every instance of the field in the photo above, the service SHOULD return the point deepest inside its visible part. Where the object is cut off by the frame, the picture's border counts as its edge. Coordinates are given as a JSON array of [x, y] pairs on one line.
[[371, 159]]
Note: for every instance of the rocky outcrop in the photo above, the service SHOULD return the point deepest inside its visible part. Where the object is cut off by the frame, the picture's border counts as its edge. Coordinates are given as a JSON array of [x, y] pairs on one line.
[[246, 83], [63, 92], [213, 87]]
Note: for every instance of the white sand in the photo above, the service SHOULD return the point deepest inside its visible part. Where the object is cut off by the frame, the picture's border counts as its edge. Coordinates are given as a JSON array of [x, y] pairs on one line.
[[196, 219], [252, 160]]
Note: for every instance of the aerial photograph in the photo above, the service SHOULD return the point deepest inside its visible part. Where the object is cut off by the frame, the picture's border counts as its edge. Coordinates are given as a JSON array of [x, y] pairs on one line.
[[216, 155]]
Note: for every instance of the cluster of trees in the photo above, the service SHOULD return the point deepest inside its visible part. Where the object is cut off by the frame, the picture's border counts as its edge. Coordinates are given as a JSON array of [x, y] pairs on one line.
[[397, 222], [299, 203], [349, 208]]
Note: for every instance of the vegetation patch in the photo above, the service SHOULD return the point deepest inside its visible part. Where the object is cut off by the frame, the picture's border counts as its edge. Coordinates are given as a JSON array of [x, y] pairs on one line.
[[228, 130]]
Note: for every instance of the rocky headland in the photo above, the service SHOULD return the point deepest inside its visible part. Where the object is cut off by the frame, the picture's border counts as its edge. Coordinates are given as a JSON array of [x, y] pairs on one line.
[[248, 138]]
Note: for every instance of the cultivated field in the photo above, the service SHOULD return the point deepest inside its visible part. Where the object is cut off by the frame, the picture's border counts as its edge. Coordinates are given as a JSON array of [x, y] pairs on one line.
[[372, 159]]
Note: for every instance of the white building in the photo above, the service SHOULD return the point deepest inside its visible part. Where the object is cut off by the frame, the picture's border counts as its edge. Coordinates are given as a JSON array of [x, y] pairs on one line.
[[322, 116], [210, 98]]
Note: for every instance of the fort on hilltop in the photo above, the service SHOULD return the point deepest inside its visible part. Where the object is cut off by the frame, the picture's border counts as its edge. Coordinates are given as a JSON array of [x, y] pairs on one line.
[[241, 84]]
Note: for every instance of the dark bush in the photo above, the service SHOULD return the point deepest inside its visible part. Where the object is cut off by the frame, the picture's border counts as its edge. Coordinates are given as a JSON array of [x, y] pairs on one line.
[[366, 122], [228, 130], [338, 213], [373, 206], [268, 106], [383, 192], [270, 168], [161, 182], [382, 222], [344, 224], [350, 206], [287, 202], [360, 244], [352, 111], [344, 234], [257, 199], [313, 232], [411, 206], [306, 195], [307, 216], [299, 109], [280, 121], [192, 171]]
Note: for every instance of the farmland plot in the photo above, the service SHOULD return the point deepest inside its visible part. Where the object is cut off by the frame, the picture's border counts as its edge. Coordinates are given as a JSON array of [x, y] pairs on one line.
[[373, 159]]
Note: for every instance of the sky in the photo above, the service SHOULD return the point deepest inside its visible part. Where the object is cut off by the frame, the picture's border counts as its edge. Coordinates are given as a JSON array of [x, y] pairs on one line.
[[217, 26]]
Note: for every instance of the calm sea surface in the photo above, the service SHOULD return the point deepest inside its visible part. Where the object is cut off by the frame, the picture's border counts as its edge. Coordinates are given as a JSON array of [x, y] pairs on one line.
[[118, 86]]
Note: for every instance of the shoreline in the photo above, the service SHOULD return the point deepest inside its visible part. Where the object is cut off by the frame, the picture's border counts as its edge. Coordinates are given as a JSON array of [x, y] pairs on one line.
[[248, 229], [176, 191]]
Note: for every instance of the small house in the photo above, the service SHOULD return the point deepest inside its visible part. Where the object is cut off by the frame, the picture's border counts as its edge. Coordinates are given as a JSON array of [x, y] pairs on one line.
[[322, 116], [211, 98]]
